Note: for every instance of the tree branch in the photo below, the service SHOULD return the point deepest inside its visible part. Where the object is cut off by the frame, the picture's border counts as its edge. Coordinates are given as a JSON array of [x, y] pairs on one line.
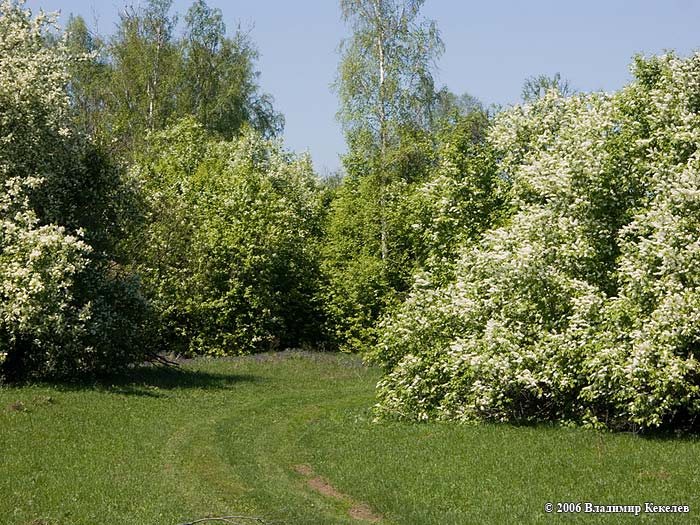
[[154, 357], [227, 519]]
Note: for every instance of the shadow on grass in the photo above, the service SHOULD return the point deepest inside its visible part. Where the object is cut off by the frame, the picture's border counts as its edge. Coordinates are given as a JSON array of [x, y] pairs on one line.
[[149, 380], [689, 433]]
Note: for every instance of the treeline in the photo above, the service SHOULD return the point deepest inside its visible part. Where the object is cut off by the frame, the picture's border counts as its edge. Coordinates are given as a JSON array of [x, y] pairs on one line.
[[147, 76], [534, 263]]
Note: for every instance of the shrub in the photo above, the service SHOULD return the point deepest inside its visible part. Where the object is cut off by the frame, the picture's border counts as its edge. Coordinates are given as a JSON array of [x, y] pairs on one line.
[[65, 306], [583, 306], [438, 189], [229, 250]]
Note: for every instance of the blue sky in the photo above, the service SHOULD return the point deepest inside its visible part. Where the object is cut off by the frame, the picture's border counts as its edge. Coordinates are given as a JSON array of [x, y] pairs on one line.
[[491, 47]]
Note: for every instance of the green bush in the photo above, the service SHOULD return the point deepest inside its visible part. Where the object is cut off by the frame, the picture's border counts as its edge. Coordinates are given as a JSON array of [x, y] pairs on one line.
[[229, 252], [66, 305], [439, 189]]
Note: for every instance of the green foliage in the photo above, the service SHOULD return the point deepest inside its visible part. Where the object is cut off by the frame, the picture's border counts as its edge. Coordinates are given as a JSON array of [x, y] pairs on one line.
[[218, 82], [143, 79], [536, 86], [445, 189], [583, 306], [384, 77], [356, 288], [360, 229], [146, 76], [89, 75], [66, 306], [230, 248], [386, 93]]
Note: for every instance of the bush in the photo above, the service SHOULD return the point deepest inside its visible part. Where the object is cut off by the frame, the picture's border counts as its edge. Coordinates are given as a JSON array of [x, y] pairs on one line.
[[438, 190], [229, 252], [65, 306], [583, 306]]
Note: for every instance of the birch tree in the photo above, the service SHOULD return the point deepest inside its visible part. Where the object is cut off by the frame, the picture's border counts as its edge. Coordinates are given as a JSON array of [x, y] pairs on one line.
[[385, 80], [145, 70], [386, 90]]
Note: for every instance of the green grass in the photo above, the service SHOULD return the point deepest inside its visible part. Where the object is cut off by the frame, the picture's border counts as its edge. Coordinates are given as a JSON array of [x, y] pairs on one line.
[[227, 437]]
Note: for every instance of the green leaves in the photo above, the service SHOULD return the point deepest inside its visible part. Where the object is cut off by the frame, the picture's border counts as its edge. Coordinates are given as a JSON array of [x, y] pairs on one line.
[[386, 93], [230, 250], [65, 305], [581, 307], [384, 77], [147, 76]]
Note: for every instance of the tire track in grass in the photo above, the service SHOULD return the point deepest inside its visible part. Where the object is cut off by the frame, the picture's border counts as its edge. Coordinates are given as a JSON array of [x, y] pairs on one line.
[[235, 455], [260, 441], [199, 472], [197, 461]]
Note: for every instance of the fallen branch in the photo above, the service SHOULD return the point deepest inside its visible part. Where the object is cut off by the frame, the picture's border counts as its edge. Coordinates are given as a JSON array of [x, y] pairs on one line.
[[162, 360], [226, 519]]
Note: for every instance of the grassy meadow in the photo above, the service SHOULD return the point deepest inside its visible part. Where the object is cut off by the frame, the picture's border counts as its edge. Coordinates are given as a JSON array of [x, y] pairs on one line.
[[289, 438]]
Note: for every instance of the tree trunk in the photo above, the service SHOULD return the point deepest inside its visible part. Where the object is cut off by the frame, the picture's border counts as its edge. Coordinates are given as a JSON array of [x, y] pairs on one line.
[[382, 134]]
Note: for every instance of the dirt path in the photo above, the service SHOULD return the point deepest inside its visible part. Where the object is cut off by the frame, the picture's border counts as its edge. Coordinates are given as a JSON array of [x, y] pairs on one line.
[[358, 511]]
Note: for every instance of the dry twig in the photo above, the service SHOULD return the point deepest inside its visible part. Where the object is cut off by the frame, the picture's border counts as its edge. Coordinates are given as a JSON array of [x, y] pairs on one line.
[[226, 519]]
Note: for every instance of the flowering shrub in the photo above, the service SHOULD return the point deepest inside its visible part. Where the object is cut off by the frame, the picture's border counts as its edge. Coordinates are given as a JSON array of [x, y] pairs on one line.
[[64, 305], [584, 306]]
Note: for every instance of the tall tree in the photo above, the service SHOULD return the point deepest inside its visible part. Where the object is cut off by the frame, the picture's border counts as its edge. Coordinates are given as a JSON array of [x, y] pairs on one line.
[[89, 77], [147, 76], [145, 61], [386, 92], [384, 79], [204, 35], [536, 86], [219, 82]]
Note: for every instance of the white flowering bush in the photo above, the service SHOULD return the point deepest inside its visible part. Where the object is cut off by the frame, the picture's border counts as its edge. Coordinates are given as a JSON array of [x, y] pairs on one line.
[[38, 265], [64, 307], [229, 251], [583, 306]]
